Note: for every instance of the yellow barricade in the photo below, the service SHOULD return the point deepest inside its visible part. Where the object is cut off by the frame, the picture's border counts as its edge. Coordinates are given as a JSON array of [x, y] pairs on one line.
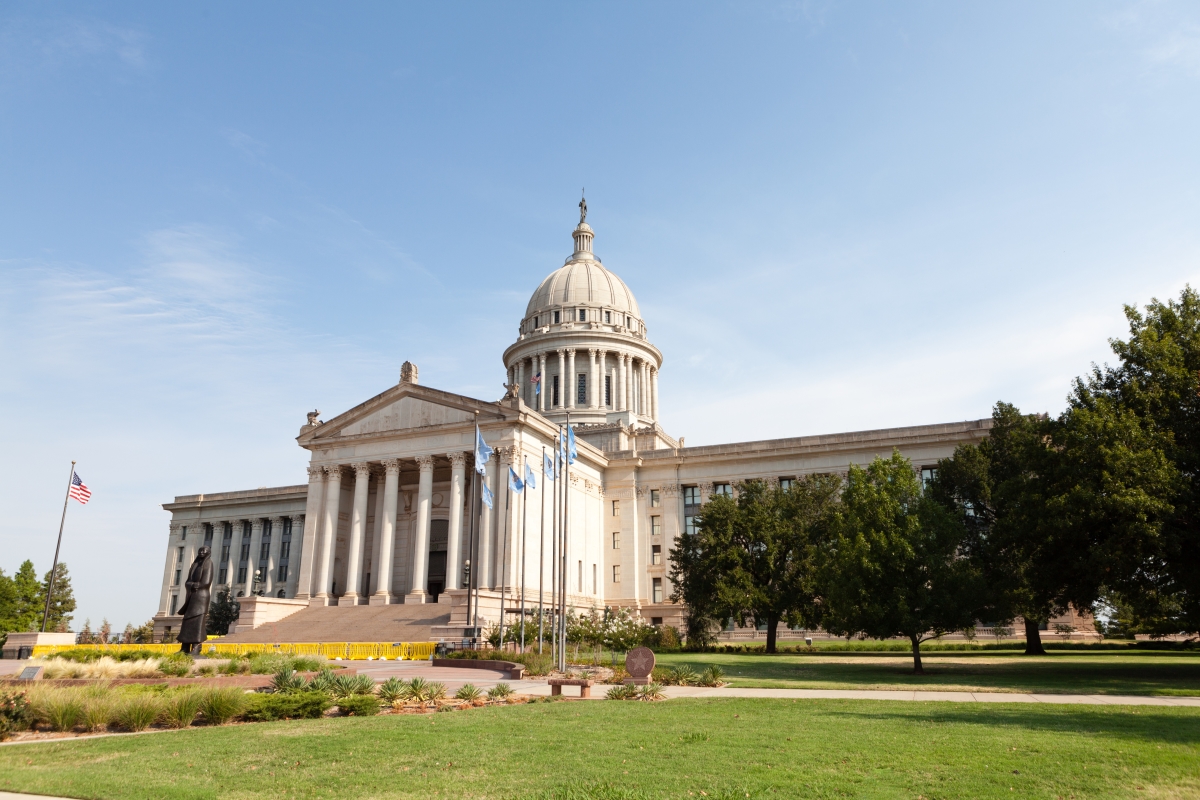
[[352, 651]]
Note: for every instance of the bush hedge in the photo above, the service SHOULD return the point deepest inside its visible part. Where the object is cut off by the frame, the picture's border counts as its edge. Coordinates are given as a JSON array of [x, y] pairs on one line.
[[293, 705]]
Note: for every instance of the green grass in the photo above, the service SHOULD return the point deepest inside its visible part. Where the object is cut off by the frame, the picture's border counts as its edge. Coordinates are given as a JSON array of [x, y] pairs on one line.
[[624, 751], [1065, 672]]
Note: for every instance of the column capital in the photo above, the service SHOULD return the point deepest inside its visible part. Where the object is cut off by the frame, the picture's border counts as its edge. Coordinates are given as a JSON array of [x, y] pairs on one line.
[[592, 351], [256, 524], [505, 453], [570, 351], [275, 521], [334, 470], [561, 352], [297, 519], [362, 470], [457, 460], [315, 472], [391, 466], [425, 463]]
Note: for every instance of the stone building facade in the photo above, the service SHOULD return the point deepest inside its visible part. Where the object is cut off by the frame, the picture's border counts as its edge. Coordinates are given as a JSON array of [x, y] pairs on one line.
[[390, 512]]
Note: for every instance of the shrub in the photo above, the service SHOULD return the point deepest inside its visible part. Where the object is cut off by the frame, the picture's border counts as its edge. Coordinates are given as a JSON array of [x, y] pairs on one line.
[[221, 705], [294, 705], [623, 692], [60, 709], [177, 665], [712, 676], [682, 675], [499, 691], [136, 712], [306, 663], [392, 690], [235, 666], [468, 692], [181, 708], [97, 710], [359, 705], [15, 713], [85, 655], [287, 681], [346, 685], [323, 681], [418, 689], [651, 691]]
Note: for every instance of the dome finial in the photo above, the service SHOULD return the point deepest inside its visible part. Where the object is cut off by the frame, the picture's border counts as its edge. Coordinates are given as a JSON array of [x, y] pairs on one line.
[[583, 207]]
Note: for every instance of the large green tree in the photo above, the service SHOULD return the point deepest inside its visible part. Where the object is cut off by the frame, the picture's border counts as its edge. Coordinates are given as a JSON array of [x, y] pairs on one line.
[[63, 601], [753, 558], [30, 598], [895, 565]]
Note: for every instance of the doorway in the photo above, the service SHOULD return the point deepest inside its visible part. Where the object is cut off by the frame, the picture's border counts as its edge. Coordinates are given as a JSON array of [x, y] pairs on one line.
[[439, 536]]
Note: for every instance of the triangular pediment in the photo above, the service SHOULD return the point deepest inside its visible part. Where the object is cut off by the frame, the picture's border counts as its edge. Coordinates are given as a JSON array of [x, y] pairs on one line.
[[406, 407]]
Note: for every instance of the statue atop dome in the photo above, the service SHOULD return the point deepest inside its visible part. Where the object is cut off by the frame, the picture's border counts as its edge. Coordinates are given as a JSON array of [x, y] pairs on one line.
[[583, 208]]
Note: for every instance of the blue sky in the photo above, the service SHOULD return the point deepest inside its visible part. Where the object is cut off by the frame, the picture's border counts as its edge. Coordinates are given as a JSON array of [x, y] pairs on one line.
[[834, 216]]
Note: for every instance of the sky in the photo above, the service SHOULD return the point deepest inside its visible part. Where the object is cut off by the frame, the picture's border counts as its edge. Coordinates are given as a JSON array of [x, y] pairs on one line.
[[217, 217]]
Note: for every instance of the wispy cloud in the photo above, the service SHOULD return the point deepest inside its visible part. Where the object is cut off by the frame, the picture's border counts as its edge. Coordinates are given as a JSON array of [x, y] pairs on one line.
[[1179, 49], [96, 38]]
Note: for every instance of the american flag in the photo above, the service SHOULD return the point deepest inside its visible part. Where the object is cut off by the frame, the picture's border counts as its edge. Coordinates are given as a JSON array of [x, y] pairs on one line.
[[536, 380], [78, 490]]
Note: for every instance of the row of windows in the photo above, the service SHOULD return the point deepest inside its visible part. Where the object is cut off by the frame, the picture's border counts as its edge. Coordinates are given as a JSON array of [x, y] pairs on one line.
[[581, 315], [656, 584], [581, 395]]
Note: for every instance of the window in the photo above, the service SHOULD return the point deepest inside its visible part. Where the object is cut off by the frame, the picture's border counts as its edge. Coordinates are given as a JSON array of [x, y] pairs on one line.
[[656, 526], [285, 549], [174, 604], [556, 317], [608, 317], [554, 392], [283, 573], [656, 554], [616, 508], [264, 550], [208, 534], [723, 489], [689, 524], [785, 483], [224, 574], [583, 315], [616, 573], [581, 390], [655, 498], [927, 474], [608, 390], [656, 595], [616, 540], [691, 495], [183, 533], [656, 620], [535, 322], [176, 581]]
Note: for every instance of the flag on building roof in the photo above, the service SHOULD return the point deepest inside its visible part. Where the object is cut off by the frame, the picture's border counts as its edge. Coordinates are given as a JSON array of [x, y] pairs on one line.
[[482, 453], [78, 490]]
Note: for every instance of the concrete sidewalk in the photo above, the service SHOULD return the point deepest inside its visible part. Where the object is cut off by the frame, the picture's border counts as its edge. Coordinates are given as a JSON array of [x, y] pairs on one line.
[[954, 697]]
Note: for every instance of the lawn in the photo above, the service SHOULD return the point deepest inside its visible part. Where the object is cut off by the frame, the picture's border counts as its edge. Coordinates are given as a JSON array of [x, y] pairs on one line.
[[624, 750], [1143, 673]]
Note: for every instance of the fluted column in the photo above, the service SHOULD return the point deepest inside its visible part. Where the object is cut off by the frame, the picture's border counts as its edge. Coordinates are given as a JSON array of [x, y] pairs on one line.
[[358, 524], [235, 552], [384, 553], [544, 383], [521, 379], [305, 558], [562, 371], [420, 570], [593, 384], [654, 393], [571, 379], [272, 556], [458, 466], [174, 540], [329, 524], [295, 549], [622, 399], [255, 561], [645, 393]]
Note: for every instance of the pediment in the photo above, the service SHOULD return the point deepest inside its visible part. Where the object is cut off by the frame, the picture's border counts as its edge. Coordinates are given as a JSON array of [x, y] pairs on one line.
[[406, 407]]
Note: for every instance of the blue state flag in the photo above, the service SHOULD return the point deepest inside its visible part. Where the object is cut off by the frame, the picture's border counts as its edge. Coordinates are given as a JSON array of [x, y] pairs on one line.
[[482, 454], [562, 448], [548, 466], [487, 494], [514, 482], [572, 452], [530, 478]]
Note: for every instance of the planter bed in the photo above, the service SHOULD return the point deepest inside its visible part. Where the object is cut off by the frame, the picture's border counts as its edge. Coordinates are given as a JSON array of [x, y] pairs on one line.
[[240, 681]]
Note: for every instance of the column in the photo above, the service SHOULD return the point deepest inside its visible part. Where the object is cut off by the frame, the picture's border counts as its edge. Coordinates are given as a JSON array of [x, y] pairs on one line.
[[483, 570], [235, 551], [571, 379], [612, 392], [304, 563], [358, 524], [545, 384], [645, 394], [593, 384], [254, 562], [371, 578], [562, 371], [173, 541], [420, 570], [387, 533], [622, 399], [654, 392], [272, 557], [521, 379], [295, 548], [329, 523], [458, 464]]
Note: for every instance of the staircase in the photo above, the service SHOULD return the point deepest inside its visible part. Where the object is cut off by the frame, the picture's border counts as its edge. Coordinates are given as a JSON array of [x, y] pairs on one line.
[[392, 623]]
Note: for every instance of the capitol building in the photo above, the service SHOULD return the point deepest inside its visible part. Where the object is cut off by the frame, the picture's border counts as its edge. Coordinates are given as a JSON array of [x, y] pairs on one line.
[[380, 542]]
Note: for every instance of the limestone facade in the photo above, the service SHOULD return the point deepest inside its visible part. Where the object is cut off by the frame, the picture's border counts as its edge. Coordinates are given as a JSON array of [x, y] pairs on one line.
[[390, 511]]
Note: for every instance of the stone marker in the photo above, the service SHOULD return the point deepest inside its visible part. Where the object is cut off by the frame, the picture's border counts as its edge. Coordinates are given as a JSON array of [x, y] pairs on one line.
[[639, 663], [31, 674]]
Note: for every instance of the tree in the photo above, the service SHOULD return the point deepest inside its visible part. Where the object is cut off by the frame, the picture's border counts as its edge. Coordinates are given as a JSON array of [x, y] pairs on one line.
[[30, 598], [894, 566], [8, 607], [222, 613], [753, 558], [63, 602]]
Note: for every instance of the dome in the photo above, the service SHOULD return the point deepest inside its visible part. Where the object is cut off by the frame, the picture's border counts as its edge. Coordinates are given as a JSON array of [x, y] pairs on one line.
[[583, 283]]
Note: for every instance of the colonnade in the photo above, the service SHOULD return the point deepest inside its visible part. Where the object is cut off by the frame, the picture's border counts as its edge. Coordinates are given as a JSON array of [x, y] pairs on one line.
[[634, 381]]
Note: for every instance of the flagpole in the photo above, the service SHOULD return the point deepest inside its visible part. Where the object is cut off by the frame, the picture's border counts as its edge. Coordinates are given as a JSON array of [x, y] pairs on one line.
[[470, 541], [504, 550], [554, 560], [542, 551], [57, 547], [566, 528], [524, 517]]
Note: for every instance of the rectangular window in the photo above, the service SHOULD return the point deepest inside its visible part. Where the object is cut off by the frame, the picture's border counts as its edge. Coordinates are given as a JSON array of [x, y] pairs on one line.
[[176, 581], [608, 317], [691, 495], [616, 508], [556, 317], [927, 474], [656, 620], [554, 392], [722, 489], [224, 574], [285, 549], [608, 390], [179, 555], [582, 315], [655, 498], [689, 524], [656, 526], [581, 390], [242, 574], [657, 590], [616, 540], [174, 603], [208, 534], [656, 554], [616, 573], [225, 555], [183, 533], [283, 572], [785, 483]]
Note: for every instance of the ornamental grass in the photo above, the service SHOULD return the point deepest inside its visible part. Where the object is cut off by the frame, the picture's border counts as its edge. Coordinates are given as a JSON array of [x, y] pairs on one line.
[[180, 709], [138, 711], [219, 706], [104, 668]]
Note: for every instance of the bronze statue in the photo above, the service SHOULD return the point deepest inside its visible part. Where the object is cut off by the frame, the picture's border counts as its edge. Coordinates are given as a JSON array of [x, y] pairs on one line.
[[583, 210], [194, 629]]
